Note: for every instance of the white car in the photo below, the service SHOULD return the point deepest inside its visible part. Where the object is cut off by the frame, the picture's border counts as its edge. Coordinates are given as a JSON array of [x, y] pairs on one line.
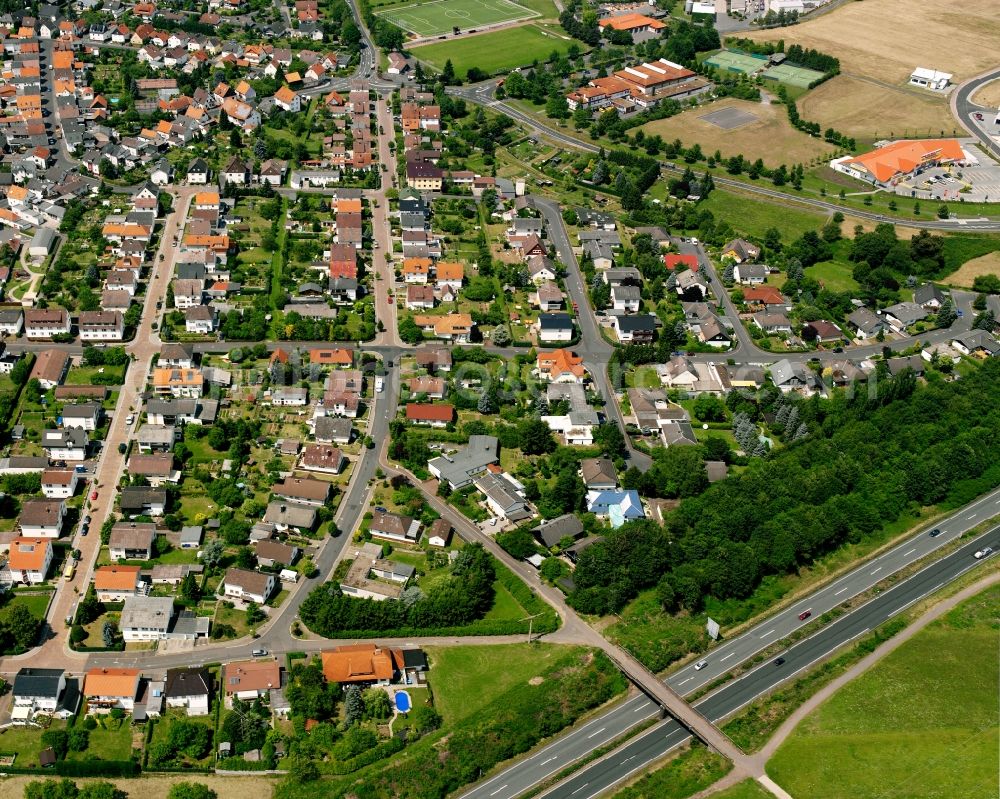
[[982, 553], [700, 665]]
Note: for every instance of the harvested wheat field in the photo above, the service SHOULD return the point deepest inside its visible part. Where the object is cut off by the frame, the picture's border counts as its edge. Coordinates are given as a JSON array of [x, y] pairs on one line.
[[886, 39], [989, 95], [988, 264], [769, 135], [868, 225], [867, 111], [157, 787]]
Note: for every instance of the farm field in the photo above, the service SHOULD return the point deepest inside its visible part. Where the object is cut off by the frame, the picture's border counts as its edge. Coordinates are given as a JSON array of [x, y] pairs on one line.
[[922, 723], [494, 52], [969, 271], [158, 786], [440, 16], [846, 103], [770, 137], [856, 34]]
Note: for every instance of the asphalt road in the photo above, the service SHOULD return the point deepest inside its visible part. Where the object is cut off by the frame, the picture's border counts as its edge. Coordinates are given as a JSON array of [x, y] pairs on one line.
[[962, 108], [541, 765]]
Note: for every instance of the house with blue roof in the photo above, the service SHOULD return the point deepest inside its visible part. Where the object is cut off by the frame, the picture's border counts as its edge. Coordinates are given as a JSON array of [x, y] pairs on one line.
[[618, 506]]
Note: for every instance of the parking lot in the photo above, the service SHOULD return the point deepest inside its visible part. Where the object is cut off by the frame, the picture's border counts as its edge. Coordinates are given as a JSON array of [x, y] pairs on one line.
[[976, 183]]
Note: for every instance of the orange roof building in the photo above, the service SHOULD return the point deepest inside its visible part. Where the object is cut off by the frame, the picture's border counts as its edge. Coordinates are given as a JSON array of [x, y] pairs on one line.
[[900, 158], [114, 583], [561, 366], [335, 357], [633, 23], [249, 679], [29, 558], [361, 663], [349, 205], [112, 687]]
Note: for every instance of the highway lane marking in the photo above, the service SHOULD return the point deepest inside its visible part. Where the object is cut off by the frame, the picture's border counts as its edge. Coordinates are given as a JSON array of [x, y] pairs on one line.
[[910, 552], [764, 635], [684, 681], [875, 571], [547, 761], [498, 790], [639, 710], [726, 657], [845, 588], [598, 732], [580, 788]]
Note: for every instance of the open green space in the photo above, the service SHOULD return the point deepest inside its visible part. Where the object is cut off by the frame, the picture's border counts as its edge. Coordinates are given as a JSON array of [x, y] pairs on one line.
[[25, 742], [752, 216], [440, 16], [684, 775], [497, 52], [836, 275], [922, 723], [110, 740], [466, 679], [748, 789]]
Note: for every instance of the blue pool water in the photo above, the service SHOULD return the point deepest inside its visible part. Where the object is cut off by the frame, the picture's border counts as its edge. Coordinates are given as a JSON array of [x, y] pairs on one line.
[[403, 702]]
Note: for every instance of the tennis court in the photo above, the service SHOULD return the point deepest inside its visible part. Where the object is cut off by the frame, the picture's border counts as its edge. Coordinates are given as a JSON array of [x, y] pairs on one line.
[[729, 61], [792, 76], [437, 17]]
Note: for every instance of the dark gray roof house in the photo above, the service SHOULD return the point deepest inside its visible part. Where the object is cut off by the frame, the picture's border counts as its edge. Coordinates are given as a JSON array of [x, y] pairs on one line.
[[555, 530]]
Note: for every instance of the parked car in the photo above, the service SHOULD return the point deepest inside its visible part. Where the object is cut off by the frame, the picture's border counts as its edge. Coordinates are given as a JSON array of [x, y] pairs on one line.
[[93, 496]]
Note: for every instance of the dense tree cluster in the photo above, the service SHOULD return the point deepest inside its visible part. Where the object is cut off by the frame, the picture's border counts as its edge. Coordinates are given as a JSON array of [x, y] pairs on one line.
[[462, 598], [863, 461]]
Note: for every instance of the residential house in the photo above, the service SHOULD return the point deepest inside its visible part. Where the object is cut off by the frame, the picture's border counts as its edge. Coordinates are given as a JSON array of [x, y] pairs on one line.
[[554, 531], [249, 586], [740, 251], [109, 688], [440, 415], [117, 583], [439, 533], [143, 501], [322, 458], [555, 327], [561, 366], [146, 618], [29, 559], [750, 274], [66, 444], [132, 541], [638, 329], [598, 474], [82, 416], [291, 516], [43, 691], [42, 518], [459, 468], [59, 483], [361, 664], [190, 688], [617, 506], [865, 323], [394, 527], [50, 368], [303, 489], [249, 680], [274, 553]]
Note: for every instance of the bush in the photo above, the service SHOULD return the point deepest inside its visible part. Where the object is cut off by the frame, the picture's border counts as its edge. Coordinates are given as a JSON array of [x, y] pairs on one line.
[[79, 739]]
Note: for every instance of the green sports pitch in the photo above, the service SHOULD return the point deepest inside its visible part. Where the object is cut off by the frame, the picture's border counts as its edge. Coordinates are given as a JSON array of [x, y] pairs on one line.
[[437, 17]]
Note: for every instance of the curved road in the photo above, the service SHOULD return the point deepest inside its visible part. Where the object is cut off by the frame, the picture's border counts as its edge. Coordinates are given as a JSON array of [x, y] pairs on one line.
[[962, 108]]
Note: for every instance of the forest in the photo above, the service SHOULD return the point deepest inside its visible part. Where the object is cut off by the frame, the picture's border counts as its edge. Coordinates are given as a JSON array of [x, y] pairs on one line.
[[868, 459]]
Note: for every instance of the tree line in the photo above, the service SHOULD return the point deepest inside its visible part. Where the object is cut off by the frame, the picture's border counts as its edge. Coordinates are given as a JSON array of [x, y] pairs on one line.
[[869, 459]]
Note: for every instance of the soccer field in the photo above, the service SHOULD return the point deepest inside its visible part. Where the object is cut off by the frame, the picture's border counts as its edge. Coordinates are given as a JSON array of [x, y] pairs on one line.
[[435, 17]]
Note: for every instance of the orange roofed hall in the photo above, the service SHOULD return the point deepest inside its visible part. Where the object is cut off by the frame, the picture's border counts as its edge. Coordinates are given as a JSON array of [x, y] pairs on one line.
[[899, 159]]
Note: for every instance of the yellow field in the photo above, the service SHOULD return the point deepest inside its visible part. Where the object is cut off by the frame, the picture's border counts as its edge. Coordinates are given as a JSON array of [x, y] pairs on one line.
[[989, 95], [157, 787], [847, 104], [886, 39], [771, 137], [988, 264]]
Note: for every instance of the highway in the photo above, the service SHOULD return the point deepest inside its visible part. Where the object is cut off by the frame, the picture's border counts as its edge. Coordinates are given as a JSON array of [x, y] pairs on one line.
[[649, 747], [553, 758]]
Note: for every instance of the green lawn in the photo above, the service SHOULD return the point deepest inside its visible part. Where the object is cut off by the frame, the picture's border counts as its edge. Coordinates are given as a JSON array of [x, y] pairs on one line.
[[84, 375], [466, 679], [161, 733], [684, 775], [112, 740], [752, 216], [26, 742], [834, 275], [433, 19], [504, 605], [748, 789], [36, 601], [497, 52], [922, 723]]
